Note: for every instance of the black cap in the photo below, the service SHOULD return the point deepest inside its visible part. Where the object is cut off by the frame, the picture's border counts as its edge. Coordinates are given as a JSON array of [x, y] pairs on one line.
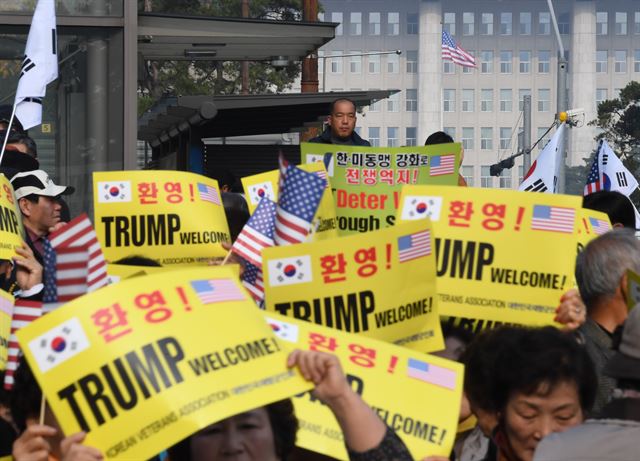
[[5, 116], [14, 162]]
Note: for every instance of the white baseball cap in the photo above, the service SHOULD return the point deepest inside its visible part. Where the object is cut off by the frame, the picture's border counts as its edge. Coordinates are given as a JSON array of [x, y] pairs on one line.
[[37, 182]]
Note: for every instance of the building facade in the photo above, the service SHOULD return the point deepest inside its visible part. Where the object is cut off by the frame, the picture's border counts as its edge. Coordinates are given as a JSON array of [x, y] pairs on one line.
[[516, 53]]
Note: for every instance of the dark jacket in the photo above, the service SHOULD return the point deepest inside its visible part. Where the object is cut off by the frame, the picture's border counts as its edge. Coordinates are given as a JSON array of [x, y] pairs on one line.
[[326, 138]]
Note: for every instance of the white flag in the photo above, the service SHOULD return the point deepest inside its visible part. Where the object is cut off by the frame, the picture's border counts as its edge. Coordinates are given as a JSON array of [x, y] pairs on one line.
[[543, 174], [290, 271], [59, 344], [615, 175], [40, 65]]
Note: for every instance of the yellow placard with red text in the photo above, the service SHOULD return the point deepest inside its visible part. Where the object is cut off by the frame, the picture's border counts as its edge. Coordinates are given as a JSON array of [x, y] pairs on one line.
[[503, 256], [266, 185], [173, 217], [383, 286], [417, 395], [11, 230], [140, 366], [6, 311]]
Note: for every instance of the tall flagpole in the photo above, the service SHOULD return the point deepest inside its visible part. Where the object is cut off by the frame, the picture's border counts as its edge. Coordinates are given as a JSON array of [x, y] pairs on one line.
[[6, 135]]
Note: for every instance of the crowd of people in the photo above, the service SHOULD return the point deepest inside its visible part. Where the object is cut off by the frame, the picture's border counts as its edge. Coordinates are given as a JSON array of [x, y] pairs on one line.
[[543, 394]]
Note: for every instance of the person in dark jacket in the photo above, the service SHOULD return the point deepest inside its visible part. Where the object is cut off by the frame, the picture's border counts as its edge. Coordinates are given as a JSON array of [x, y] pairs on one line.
[[342, 124]]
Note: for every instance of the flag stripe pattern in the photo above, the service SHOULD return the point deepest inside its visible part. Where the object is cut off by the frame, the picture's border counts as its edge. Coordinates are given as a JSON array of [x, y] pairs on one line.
[[72, 273], [208, 194], [217, 291], [253, 282], [594, 180], [297, 205], [553, 218], [257, 233], [599, 226], [78, 233], [24, 312], [414, 246], [442, 164], [431, 374], [453, 52]]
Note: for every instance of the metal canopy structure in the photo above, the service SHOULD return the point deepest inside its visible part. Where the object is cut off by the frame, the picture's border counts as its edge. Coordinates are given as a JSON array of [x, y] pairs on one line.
[[226, 116], [170, 37]]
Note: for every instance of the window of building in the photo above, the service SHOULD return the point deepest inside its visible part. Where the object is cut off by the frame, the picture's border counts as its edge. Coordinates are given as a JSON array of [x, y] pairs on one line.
[[505, 179], [506, 20], [525, 62], [486, 26], [520, 174], [355, 23], [467, 174], [355, 62], [506, 100], [486, 100], [412, 61], [467, 138], [522, 92], [374, 63], [544, 139], [468, 23], [393, 23], [636, 60], [392, 136], [412, 24], [411, 136], [320, 16], [544, 23], [393, 63], [393, 103], [506, 58], [336, 63], [448, 67], [374, 23], [467, 69], [544, 61], [451, 131], [374, 136], [486, 61], [601, 61], [449, 100], [636, 22], [411, 100], [505, 138], [525, 23], [601, 95], [321, 61], [486, 180], [621, 23], [449, 23], [544, 99], [468, 97], [375, 105], [602, 23], [620, 61], [336, 16], [486, 138], [564, 23]]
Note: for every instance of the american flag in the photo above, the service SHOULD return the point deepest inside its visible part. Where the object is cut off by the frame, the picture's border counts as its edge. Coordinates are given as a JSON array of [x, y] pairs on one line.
[[283, 164], [24, 312], [217, 291], [431, 374], [442, 164], [257, 233], [594, 180], [414, 246], [599, 226], [208, 193], [297, 204], [453, 52], [252, 281], [553, 218], [71, 276], [78, 233]]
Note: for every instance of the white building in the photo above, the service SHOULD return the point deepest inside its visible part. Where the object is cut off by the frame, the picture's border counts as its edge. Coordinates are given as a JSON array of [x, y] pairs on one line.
[[516, 53]]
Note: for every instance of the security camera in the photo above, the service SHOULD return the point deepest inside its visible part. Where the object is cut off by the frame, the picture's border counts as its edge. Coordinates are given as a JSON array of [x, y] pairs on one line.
[[575, 112]]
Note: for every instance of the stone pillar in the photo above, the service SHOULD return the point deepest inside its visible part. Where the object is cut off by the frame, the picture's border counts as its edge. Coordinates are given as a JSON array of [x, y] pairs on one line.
[[429, 69]]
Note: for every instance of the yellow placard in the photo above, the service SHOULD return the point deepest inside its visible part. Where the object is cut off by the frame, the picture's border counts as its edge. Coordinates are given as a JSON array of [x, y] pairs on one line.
[[383, 286], [11, 230], [417, 395], [503, 256], [6, 310], [173, 217], [324, 224], [141, 366], [591, 224], [633, 289]]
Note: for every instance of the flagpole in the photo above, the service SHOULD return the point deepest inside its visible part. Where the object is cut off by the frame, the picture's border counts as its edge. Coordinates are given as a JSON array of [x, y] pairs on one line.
[[6, 136]]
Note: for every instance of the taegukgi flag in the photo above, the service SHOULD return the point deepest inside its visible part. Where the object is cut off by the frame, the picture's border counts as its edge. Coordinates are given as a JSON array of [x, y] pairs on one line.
[[421, 207], [59, 344], [290, 271], [39, 66], [114, 191], [543, 174]]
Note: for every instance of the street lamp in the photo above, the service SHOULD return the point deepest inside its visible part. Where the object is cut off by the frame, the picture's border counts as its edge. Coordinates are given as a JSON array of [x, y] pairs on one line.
[[324, 61]]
